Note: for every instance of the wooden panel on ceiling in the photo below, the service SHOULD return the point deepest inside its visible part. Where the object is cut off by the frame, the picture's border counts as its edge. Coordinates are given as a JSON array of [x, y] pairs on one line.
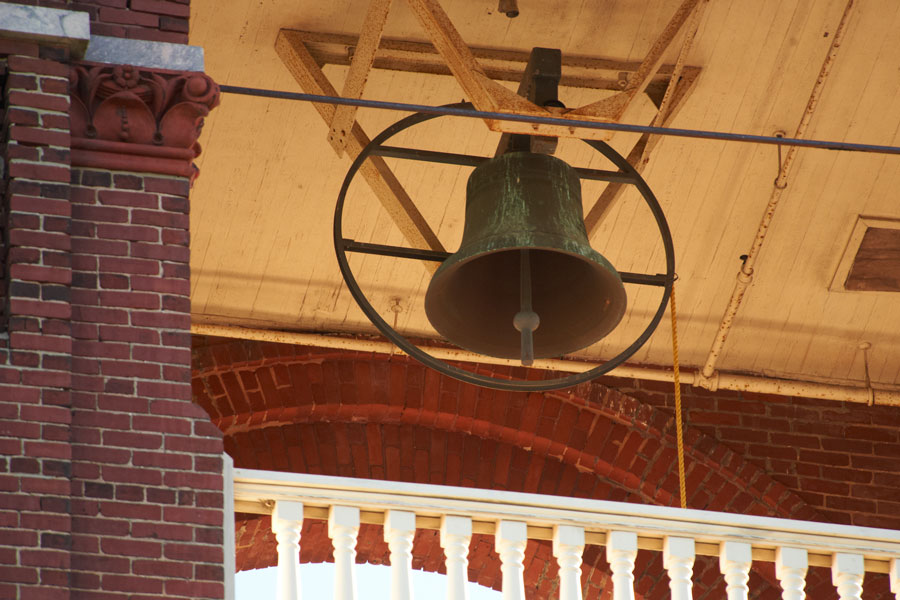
[[819, 331], [261, 243], [757, 78], [877, 264]]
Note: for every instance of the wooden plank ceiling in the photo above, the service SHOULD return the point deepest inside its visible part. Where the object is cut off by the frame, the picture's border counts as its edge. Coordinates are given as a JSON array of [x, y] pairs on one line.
[[263, 205]]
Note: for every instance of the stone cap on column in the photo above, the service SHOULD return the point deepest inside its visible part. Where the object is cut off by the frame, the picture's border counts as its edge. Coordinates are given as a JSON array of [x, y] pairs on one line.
[[50, 26], [144, 53]]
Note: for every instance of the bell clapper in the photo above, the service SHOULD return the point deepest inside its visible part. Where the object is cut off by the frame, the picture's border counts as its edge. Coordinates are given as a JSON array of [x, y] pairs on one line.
[[526, 320]]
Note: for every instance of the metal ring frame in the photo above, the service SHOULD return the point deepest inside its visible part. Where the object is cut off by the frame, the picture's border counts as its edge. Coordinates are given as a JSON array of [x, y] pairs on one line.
[[341, 246]]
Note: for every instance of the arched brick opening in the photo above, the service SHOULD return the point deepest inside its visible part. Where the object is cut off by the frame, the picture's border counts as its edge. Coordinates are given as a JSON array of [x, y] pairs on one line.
[[356, 415]]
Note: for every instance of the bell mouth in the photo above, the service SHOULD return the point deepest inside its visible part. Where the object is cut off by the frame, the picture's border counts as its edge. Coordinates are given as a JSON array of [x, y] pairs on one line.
[[473, 300]]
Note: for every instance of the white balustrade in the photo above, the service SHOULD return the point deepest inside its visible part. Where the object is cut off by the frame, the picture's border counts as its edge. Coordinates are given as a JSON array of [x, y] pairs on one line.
[[570, 523], [343, 527], [287, 520], [847, 572], [678, 560], [509, 542], [621, 550], [399, 529], [568, 546], [791, 565], [456, 534], [228, 525], [895, 577], [735, 560]]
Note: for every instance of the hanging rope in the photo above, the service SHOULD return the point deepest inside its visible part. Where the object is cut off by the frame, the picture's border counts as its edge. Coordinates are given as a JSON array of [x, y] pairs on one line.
[[679, 435]]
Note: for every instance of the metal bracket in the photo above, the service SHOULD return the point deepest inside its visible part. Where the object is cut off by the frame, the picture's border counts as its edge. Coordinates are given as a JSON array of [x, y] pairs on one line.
[[540, 85]]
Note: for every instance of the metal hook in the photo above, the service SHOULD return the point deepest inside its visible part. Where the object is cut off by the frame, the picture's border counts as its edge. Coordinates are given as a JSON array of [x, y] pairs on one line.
[[780, 182], [864, 346]]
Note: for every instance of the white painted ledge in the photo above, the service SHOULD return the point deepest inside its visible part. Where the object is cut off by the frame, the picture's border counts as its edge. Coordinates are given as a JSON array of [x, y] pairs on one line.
[[252, 486]]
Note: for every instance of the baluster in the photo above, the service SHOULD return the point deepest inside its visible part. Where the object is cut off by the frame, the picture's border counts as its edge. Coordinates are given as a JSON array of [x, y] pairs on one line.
[[228, 526], [847, 572], [456, 533], [895, 577], [343, 527], [678, 559], [735, 560], [790, 569], [621, 550], [509, 542], [287, 520], [399, 529], [568, 546]]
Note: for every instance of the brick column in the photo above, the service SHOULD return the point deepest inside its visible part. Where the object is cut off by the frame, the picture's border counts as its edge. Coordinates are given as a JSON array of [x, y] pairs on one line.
[[35, 352], [110, 477], [147, 467]]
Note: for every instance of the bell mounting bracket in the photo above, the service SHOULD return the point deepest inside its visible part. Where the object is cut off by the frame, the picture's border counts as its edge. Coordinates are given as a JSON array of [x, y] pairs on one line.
[[540, 85]]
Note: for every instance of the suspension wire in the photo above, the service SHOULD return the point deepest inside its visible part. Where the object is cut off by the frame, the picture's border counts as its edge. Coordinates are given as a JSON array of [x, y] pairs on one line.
[[568, 123], [679, 426]]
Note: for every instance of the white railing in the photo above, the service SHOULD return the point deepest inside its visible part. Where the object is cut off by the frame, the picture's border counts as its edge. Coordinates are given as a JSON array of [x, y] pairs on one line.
[[571, 523]]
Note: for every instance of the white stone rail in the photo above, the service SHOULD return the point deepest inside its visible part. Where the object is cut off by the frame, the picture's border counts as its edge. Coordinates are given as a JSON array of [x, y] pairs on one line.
[[569, 523]]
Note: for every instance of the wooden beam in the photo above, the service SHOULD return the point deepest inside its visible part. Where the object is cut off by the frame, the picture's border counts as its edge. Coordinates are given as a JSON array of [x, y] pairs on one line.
[[614, 107], [681, 90], [361, 64], [488, 95], [504, 65], [375, 171], [680, 85], [613, 191], [686, 44], [500, 65], [640, 154], [485, 93]]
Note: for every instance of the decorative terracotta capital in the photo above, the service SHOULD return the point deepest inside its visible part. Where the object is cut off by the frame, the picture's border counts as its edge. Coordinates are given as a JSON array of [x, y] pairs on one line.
[[134, 119]]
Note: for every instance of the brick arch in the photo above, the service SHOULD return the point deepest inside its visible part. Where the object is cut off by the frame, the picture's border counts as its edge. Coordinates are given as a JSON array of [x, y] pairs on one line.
[[350, 414]]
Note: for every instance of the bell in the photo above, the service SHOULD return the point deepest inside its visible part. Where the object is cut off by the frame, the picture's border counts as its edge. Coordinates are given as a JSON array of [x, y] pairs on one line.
[[525, 282]]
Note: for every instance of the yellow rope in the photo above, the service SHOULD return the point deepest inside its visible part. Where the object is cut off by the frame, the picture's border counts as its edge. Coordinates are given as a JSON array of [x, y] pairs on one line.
[[679, 436]]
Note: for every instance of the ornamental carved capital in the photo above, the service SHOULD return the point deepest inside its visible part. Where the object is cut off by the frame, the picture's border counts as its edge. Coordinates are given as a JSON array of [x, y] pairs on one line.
[[128, 118]]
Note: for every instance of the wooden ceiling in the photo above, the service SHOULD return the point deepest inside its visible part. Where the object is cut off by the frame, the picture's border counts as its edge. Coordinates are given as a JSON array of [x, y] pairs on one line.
[[262, 253]]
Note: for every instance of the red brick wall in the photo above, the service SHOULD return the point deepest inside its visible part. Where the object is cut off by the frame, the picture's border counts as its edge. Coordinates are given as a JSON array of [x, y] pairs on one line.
[[357, 415], [157, 20], [110, 481], [841, 458], [4, 207]]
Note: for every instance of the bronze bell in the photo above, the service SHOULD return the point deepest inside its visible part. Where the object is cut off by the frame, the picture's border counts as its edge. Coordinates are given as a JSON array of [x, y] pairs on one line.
[[525, 282]]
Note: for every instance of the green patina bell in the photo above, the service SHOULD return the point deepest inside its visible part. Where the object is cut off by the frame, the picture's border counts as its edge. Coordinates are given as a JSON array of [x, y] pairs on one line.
[[525, 282]]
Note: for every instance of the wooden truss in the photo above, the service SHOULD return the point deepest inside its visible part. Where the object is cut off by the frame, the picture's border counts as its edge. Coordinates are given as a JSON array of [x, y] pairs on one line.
[[663, 87]]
